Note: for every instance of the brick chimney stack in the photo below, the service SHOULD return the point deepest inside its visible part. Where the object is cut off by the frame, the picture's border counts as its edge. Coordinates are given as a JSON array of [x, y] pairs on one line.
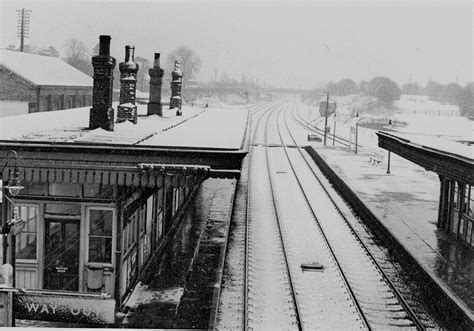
[[156, 80], [127, 110], [177, 81], [102, 113]]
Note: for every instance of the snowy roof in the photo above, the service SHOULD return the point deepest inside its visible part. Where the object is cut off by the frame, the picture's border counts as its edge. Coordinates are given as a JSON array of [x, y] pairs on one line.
[[189, 130], [440, 144], [436, 144], [43, 70]]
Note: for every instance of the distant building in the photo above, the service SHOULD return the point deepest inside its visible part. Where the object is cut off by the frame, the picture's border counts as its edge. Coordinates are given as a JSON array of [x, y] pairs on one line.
[[421, 104], [33, 83]]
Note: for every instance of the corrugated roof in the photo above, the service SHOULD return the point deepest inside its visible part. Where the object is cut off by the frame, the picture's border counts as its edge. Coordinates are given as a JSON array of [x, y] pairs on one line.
[[43, 70]]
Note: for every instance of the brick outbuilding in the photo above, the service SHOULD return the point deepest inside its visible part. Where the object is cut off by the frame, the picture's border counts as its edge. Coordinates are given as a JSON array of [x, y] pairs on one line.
[[34, 83]]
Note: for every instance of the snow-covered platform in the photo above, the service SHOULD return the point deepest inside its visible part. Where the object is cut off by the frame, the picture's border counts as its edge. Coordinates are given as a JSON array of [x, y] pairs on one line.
[[222, 127], [213, 137], [405, 204]]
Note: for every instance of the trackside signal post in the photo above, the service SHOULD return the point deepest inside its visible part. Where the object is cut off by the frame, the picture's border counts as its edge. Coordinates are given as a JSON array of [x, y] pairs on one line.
[[326, 118]]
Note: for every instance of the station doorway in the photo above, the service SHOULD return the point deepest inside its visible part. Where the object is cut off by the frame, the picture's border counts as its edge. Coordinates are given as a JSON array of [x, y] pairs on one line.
[[62, 242]]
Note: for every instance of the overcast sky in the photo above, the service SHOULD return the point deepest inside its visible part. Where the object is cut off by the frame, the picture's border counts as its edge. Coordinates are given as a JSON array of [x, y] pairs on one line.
[[284, 43]]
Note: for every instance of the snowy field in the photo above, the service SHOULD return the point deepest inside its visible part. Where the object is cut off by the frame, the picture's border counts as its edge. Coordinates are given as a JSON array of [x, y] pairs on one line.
[[445, 133]]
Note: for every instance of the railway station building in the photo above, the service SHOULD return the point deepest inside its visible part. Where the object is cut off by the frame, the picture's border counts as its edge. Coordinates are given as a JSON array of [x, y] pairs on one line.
[[34, 83], [99, 204]]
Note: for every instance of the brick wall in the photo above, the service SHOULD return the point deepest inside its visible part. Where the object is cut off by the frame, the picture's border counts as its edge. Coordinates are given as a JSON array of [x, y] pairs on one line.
[[14, 88], [64, 97]]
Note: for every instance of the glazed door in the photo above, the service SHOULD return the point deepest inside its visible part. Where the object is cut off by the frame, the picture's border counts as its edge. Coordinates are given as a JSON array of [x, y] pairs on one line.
[[61, 262]]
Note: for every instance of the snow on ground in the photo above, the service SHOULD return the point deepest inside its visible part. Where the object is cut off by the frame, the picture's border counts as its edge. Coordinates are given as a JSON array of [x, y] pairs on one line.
[[142, 294], [215, 128], [455, 126], [13, 108], [438, 132]]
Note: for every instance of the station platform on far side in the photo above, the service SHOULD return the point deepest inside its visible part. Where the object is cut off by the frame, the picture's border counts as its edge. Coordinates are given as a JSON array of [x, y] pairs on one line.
[[405, 203]]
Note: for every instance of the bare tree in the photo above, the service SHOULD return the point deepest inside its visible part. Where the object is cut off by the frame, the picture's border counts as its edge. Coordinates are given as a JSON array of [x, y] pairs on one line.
[[77, 55], [190, 63], [142, 75], [76, 49]]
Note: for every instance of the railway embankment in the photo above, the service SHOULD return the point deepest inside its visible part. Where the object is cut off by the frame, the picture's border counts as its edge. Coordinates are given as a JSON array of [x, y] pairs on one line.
[[401, 208]]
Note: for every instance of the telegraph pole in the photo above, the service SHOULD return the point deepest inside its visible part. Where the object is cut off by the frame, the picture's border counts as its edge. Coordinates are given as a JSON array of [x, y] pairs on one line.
[[23, 26]]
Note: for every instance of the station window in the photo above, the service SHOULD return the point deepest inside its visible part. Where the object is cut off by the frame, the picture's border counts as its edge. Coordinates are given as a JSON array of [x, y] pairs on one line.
[[142, 219], [468, 203], [158, 216], [26, 241], [175, 200], [456, 195], [100, 235], [130, 231], [145, 240]]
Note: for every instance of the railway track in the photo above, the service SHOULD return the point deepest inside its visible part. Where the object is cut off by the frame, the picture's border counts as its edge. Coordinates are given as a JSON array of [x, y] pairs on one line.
[[265, 257], [377, 298], [312, 125], [293, 222]]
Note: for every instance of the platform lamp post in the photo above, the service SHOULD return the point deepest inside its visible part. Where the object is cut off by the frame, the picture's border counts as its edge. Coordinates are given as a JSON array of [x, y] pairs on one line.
[[11, 228], [388, 161], [334, 130], [16, 224], [357, 132]]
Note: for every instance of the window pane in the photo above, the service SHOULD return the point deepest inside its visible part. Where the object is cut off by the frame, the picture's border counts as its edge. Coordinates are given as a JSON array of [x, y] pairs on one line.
[[142, 218], [63, 209], [28, 214], [100, 222], [100, 249], [149, 213], [26, 246], [26, 240]]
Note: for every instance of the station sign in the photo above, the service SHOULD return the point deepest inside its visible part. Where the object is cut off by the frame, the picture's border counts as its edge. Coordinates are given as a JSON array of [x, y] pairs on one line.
[[81, 308]]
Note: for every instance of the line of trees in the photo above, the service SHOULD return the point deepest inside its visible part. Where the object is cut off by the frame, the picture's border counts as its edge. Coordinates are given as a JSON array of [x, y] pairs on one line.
[[386, 91], [78, 55], [47, 51]]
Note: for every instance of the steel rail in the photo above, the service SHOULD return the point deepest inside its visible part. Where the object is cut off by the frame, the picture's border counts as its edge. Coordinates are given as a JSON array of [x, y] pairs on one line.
[[272, 187], [246, 260], [346, 282], [419, 325]]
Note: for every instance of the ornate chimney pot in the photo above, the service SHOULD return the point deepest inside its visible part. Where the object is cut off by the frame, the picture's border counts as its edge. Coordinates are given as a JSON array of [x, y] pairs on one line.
[[177, 81], [156, 80], [102, 113], [127, 110]]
